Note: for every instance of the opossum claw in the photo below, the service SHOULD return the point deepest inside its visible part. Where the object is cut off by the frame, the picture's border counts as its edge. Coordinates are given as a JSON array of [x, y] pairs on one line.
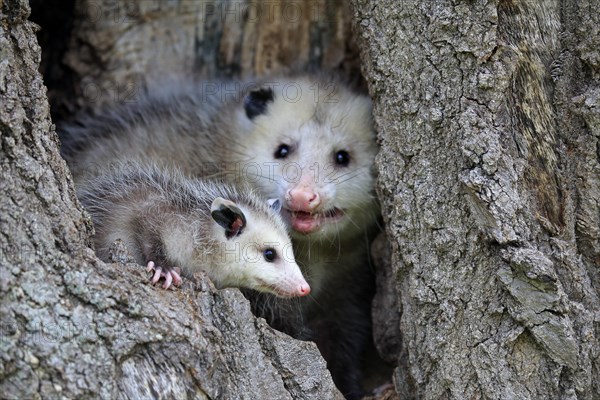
[[168, 280], [176, 276], [150, 266], [171, 275]]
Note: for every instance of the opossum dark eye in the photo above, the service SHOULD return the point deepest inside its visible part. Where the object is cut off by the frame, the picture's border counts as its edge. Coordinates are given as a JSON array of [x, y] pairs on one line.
[[270, 255], [282, 151], [342, 158]]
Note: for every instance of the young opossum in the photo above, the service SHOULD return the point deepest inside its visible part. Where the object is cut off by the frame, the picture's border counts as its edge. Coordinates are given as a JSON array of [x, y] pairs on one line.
[[308, 142], [171, 223]]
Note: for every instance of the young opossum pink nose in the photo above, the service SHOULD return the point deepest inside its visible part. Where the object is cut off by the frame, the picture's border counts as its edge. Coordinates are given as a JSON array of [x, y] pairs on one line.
[[302, 199], [304, 290]]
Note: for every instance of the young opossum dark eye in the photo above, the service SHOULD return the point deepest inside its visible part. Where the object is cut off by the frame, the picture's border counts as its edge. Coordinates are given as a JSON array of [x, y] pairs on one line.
[[342, 158], [282, 151], [270, 255]]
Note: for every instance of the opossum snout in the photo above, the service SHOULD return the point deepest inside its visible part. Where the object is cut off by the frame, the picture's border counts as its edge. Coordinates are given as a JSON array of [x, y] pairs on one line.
[[297, 290], [302, 198], [293, 283]]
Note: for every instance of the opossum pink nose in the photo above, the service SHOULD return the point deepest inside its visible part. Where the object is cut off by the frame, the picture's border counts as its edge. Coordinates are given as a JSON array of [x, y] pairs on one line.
[[304, 290], [302, 199]]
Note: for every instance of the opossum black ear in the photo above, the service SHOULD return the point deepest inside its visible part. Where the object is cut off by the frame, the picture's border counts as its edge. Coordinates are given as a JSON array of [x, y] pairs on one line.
[[256, 101], [227, 214], [275, 204]]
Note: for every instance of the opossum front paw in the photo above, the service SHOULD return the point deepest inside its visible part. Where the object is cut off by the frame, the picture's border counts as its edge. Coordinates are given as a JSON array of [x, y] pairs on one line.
[[170, 274]]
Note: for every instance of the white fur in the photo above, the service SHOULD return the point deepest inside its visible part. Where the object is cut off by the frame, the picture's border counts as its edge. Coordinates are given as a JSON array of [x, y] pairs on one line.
[[318, 124]]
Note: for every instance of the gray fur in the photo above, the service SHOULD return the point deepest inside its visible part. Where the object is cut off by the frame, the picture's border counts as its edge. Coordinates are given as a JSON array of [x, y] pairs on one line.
[[165, 217], [177, 125]]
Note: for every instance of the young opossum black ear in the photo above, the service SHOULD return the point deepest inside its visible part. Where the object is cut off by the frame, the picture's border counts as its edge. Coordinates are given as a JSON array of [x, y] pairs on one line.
[[275, 204], [227, 214], [255, 102]]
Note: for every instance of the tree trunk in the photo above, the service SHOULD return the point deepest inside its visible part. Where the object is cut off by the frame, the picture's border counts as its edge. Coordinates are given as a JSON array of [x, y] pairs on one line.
[[488, 116], [74, 327], [489, 119]]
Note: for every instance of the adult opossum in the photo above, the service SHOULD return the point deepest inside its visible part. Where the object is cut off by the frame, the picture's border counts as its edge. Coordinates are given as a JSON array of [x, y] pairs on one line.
[[308, 142], [171, 223]]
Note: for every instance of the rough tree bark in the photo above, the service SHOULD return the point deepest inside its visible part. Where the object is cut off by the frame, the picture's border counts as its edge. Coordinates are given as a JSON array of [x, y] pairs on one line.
[[489, 119], [74, 327]]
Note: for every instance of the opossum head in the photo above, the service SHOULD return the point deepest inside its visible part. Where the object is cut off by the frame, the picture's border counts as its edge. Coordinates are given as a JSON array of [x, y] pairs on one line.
[[252, 249], [313, 146]]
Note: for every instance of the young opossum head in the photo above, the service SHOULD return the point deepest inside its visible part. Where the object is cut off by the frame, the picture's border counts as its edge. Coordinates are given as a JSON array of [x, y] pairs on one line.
[[251, 248], [313, 146]]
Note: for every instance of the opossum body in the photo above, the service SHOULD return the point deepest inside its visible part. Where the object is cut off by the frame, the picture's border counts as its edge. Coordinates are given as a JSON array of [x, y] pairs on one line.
[[170, 222], [307, 142]]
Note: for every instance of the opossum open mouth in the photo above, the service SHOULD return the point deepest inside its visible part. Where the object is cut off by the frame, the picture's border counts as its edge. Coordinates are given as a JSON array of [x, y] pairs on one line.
[[305, 222]]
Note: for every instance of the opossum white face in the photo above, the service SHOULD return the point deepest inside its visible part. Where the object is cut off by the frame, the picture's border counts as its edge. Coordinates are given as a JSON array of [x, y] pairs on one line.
[[313, 146], [253, 251]]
